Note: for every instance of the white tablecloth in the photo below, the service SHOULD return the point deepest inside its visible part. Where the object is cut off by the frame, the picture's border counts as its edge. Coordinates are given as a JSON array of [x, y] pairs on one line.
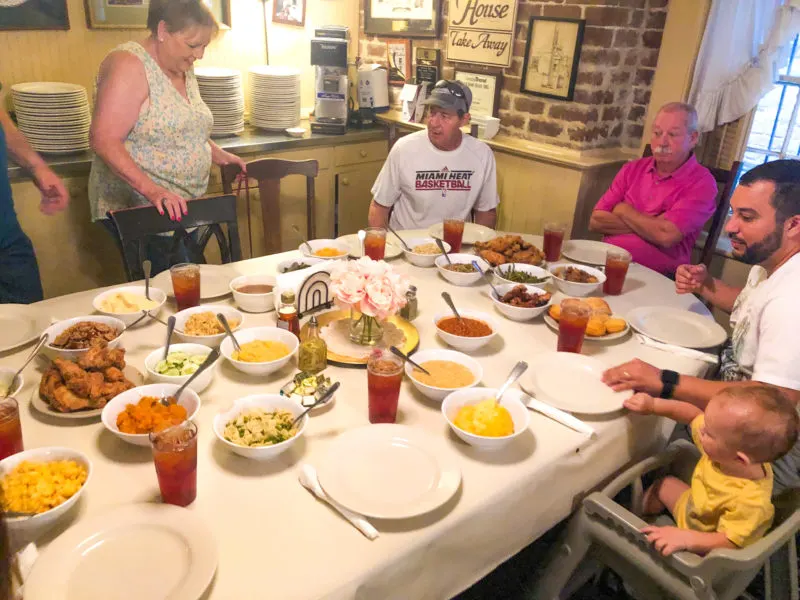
[[276, 540]]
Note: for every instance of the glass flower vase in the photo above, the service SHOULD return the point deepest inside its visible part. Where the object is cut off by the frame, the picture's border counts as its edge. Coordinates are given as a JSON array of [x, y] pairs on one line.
[[365, 330]]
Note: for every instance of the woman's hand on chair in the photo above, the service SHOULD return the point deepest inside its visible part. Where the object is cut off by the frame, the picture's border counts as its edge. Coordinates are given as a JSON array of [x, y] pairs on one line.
[[226, 158], [169, 202]]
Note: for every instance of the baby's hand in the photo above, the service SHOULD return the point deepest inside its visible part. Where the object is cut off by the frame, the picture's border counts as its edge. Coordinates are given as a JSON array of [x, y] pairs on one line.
[[640, 403], [667, 539]]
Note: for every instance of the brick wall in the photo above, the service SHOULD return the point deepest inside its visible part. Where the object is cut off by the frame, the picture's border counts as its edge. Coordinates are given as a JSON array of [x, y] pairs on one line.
[[618, 58]]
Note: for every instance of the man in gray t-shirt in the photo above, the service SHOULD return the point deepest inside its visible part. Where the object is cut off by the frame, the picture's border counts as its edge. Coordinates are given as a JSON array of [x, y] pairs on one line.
[[437, 173]]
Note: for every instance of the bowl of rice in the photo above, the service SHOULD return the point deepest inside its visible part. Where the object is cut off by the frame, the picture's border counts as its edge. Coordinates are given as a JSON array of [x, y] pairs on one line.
[[424, 251], [259, 426], [199, 324]]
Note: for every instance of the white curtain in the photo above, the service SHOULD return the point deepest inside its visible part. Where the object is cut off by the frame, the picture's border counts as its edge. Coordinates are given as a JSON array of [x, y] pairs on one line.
[[744, 45]]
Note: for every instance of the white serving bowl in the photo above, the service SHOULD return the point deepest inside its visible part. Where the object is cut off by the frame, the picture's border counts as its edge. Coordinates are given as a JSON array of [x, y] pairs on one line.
[[422, 260], [198, 385], [189, 400], [525, 268], [572, 288], [254, 303], [511, 401], [437, 393], [156, 295], [269, 403], [295, 132], [260, 333], [467, 344], [6, 373], [518, 313], [234, 317], [460, 278], [308, 260], [320, 244], [54, 330], [31, 527]]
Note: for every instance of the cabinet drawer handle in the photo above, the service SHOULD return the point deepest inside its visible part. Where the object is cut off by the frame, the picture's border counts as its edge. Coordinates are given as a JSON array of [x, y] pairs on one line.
[[345, 181], [363, 153]]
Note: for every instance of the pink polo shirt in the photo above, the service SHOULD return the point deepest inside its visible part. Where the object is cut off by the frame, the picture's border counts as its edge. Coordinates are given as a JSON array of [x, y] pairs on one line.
[[687, 197]]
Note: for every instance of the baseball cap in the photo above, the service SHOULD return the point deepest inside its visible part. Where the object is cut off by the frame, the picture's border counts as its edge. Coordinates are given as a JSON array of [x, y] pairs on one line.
[[449, 94]]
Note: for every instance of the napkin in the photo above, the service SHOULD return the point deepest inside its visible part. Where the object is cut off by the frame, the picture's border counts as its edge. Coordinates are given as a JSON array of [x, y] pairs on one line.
[[679, 350], [22, 565], [294, 279], [558, 415]]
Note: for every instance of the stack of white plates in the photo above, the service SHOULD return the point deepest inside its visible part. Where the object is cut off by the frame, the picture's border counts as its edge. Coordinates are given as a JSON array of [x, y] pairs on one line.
[[54, 117], [221, 90], [274, 97]]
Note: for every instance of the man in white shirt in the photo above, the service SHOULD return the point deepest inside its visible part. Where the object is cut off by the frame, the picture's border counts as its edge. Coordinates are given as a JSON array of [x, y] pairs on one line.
[[765, 344], [438, 173]]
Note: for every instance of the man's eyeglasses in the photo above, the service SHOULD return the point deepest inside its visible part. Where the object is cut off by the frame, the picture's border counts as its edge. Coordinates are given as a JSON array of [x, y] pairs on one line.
[[451, 87]]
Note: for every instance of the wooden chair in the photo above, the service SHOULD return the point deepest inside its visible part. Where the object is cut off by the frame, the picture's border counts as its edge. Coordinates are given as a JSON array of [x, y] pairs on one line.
[[726, 180], [268, 172], [134, 225]]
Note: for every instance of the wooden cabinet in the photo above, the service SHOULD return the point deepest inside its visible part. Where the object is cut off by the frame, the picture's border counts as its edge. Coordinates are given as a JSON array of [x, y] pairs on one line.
[[353, 196]]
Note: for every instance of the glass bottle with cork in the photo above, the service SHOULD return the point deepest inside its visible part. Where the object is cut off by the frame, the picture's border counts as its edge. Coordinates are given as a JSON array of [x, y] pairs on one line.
[[287, 313], [312, 356]]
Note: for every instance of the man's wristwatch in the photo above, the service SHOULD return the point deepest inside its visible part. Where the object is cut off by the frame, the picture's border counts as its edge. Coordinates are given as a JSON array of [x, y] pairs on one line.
[[669, 379]]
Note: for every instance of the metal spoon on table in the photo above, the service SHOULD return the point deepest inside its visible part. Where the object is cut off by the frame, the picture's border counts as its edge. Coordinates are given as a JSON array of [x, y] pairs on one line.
[[489, 279], [515, 374], [303, 239], [452, 306], [212, 356], [147, 267], [397, 352], [228, 331], [42, 341], [397, 235], [322, 400], [440, 243], [170, 329], [143, 316]]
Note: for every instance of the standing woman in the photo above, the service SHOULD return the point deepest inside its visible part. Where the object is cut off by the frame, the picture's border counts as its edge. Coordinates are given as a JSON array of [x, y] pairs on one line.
[[150, 131]]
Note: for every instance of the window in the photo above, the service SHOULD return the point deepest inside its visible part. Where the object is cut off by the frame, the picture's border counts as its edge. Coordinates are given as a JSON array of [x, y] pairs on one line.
[[775, 132]]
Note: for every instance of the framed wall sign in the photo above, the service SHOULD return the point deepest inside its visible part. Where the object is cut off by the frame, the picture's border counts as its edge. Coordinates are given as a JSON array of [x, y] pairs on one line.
[[132, 14], [427, 65], [289, 12], [398, 61], [552, 54], [402, 18], [481, 31], [33, 14], [485, 88]]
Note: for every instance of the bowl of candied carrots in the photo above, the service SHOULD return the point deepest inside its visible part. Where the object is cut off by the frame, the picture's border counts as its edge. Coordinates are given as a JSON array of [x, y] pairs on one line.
[[136, 413]]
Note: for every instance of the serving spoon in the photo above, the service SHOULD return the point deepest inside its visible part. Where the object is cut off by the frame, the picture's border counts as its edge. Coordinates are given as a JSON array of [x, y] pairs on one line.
[[31, 356], [362, 235], [170, 329], [303, 240], [397, 235], [440, 243], [212, 356], [489, 279], [322, 400], [147, 267], [452, 306], [228, 331], [515, 374], [397, 352]]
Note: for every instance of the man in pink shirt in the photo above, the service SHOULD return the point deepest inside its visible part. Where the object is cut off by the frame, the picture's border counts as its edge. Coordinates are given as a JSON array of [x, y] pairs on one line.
[[657, 206]]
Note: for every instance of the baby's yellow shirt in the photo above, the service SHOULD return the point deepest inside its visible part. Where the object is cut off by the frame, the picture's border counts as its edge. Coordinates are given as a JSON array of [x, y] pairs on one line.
[[740, 508]]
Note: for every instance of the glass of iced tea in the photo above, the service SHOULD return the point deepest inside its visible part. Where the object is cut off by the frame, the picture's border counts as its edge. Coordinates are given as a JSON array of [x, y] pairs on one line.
[[384, 376], [10, 428], [375, 243], [452, 232], [186, 285], [572, 328], [617, 262], [553, 238], [175, 457]]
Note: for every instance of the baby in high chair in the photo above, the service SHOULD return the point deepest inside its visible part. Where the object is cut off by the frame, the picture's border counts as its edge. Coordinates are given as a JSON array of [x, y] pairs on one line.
[[728, 502]]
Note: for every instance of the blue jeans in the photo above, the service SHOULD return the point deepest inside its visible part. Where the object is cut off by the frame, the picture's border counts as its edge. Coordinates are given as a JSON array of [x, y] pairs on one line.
[[19, 272]]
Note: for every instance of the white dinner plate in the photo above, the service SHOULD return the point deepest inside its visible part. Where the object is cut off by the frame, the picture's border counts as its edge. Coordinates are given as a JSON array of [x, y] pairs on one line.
[[20, 324], [131, 373], [389, 471], [393, 249], [214, 281], [609, 337], [571, 382], [472, 233], [132, 552], [677, 326], [589, 252]]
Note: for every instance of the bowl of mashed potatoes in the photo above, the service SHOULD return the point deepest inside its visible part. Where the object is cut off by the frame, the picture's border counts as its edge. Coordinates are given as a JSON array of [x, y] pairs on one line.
[[264, 350], [449, 371], [127, 303], [476, 418]]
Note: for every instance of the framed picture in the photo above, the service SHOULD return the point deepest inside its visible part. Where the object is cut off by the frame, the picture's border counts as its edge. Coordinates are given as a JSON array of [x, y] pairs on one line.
[[485, 88], [33, 14], [289, 12], [552, 54], [398, 61], [132, 14], [402, 18]]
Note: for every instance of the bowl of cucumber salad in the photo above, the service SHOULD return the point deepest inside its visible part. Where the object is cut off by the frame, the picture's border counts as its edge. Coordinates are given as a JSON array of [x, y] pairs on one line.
[[182, 360]]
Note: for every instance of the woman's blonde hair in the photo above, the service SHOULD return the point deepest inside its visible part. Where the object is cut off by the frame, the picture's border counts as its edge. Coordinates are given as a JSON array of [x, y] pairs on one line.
[[180, 14]]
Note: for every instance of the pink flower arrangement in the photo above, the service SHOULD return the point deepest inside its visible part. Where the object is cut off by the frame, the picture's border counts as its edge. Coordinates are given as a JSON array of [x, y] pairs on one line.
[[371, 287]]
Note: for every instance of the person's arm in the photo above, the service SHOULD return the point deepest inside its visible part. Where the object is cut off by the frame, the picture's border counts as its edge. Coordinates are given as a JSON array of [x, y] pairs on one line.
[[486, 217], [223, 157], [656, 230], [695, 279], [54, 194], [644, 404], [121, 91], [602, 219], [607, 223], [385, 190], [484, 211], [378, 214], [673, 539]]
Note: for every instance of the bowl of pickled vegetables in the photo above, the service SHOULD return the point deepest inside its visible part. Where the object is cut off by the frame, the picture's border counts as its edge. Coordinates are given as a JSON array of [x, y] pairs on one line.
[[182, 360]]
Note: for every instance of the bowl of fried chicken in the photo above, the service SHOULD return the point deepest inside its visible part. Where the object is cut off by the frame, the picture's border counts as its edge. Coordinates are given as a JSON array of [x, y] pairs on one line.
[[509, 249]]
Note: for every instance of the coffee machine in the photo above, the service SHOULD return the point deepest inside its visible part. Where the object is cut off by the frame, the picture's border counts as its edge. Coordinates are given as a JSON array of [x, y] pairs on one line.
[[331, 84]]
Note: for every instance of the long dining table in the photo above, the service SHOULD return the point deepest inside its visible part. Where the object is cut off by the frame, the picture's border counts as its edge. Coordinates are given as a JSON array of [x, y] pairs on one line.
[[276, 540]]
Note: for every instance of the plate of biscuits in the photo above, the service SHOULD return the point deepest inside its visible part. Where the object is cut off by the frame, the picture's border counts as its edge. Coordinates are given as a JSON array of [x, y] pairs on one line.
[[603, 325]]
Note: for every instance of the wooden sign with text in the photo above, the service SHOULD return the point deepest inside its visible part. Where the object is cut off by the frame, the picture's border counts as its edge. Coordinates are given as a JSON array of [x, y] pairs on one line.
[[481, 31]]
